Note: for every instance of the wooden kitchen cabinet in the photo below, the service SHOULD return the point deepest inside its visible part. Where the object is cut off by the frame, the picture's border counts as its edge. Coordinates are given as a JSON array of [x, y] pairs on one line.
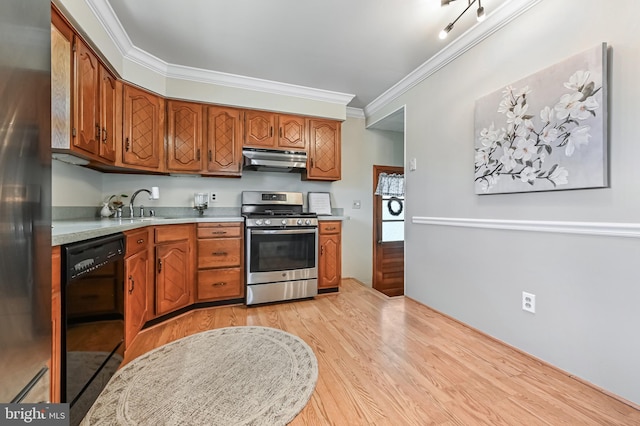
[[138, 276], [95, 104], [275, 131], [184, 136], [143, 130], [224, 141], [324, 150], [220, 262], [330, 254], [174, 271], [56, 325]]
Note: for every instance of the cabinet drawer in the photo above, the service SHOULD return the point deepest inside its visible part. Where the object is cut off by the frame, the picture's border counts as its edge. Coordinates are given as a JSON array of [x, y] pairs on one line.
[[222, 253], [219, 284], [136, 241], [329, 227], [226, 230], [168, 233]]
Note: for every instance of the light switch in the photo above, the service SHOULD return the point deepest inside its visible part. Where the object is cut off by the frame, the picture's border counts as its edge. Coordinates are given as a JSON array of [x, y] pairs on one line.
[[413, 164]]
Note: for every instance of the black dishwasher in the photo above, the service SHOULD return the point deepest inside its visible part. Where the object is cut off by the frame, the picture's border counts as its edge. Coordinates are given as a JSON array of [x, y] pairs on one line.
[[93, 319]]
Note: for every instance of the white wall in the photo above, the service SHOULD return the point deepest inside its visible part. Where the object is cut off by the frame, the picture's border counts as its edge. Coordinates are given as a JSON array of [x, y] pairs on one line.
[[78, 186], [587, 286]]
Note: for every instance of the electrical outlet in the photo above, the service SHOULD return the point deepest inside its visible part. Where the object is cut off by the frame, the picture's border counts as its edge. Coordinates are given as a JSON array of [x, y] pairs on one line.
[[528, 302], [356, 204], [212, 197]]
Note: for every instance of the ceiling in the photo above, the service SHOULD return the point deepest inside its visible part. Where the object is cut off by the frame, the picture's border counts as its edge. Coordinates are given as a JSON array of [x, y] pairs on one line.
[[357, 47]]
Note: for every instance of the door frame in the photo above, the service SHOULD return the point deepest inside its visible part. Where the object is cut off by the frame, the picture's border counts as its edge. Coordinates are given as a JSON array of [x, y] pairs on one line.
[[377, 215]]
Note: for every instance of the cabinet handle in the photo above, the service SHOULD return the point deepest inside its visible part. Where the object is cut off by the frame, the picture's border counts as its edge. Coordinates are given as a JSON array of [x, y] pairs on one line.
[[132, 284], [97, 132], [219, 284], [280, 135], [198, 155], [321, 250], [312, 163], [104, 135], [159, 265], [127, 145], [210, 156], [331, 228], [219, 232], [140, 241], [219, 253]]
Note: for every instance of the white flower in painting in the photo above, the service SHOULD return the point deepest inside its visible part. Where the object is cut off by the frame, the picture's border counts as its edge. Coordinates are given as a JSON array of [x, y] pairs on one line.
[[489, 136], [523, 92], [508, 91], [578, 137], [559, 176], [542, 157], [525, 149], [577, 80], [482, 158], [515, 117], [528, 174], [488, 182], [504, 106], [546, 115], [566, 104], [549, 134], [507, 159], [582, 110]]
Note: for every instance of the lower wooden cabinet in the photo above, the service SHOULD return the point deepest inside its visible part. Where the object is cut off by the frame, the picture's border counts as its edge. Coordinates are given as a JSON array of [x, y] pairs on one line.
[[137, 274], [56, 324], [330, 254], [174, 272], [220, 259]]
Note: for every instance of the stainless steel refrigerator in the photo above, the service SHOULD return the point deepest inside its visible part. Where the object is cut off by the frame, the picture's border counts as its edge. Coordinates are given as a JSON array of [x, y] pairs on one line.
[[25, 200]]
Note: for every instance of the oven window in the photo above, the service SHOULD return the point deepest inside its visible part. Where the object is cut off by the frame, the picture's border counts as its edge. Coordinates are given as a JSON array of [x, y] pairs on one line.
[[282, 252]]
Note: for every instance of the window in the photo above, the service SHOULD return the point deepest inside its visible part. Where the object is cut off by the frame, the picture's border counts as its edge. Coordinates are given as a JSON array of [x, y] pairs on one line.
[[392, 219]]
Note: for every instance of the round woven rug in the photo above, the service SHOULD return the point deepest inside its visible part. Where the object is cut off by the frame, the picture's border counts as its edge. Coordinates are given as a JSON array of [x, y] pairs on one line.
[[227, 376]]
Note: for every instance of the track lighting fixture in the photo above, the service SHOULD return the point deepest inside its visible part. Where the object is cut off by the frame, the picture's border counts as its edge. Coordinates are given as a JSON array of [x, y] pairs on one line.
[[480, 14]]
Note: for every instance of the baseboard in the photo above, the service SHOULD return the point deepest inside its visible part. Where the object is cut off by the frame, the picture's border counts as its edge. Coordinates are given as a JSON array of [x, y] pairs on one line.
[[534, 358]]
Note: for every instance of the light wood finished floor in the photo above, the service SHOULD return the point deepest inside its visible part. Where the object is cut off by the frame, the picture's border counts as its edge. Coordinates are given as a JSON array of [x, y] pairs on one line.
[[392, 361]]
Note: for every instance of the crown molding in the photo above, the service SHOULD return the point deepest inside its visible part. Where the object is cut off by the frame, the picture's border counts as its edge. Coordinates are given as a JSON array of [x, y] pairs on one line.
[[110, 22], [606, 229], [355, 112], [495, 20]]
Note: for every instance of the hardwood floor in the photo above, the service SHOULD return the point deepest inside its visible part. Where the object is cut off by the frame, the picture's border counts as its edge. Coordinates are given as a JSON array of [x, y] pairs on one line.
[[392, 361]]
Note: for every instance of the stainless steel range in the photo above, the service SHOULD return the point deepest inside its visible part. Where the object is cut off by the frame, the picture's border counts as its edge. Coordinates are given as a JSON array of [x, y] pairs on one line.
[[281, 247]]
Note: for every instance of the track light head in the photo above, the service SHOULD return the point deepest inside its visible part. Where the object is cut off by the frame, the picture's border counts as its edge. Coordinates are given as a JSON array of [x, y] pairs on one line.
[[481, 14], [443, 34]]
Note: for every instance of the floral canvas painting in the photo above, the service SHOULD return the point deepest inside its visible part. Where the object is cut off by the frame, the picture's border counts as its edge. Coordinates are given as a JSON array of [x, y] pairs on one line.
[[547, 131]]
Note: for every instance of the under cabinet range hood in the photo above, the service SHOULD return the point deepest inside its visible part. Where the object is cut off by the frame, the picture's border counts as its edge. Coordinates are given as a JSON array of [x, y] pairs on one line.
[[272, 160]]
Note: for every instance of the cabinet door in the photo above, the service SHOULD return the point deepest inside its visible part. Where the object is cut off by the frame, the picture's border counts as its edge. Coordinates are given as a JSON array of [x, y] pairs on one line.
[[173, 277], [224, 141], [184, 136], [324, 150], [259, 129], [330, 257], [143, 129], [85, 118], [109, 101], [292, 132], [137, 269], [56, 324], [61, 80]]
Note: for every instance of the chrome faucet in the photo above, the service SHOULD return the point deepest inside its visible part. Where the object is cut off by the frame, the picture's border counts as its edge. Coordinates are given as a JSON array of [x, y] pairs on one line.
[[133, 198]]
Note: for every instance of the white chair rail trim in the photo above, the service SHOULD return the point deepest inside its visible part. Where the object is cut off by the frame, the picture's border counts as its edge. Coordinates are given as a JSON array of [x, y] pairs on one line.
[[607, 229]]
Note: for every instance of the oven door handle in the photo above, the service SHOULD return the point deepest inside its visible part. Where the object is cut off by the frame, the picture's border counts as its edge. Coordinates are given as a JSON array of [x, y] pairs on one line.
[[283, 231]]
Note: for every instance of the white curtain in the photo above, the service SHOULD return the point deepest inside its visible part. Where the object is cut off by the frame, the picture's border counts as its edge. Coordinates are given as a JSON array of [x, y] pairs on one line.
[[390, 185]]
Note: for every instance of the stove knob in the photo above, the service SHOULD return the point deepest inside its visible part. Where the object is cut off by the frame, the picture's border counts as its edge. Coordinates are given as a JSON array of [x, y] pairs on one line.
[[267, 222], [299, 221], [283, 222], [307, 222], [259, 222]]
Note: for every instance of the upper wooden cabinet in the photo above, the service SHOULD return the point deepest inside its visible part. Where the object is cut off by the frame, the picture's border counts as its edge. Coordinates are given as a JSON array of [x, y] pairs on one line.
[[184, 136], [324, 150], [143, 123], [224, 141], [274, 131]]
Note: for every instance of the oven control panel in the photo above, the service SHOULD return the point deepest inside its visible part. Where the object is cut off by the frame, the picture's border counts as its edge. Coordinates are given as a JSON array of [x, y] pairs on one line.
[[281, 222]]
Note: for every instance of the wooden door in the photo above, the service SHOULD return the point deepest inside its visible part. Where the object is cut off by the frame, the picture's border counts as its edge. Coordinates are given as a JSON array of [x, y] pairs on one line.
[[388, 256], [173, 277], [224, 141], [137, 268], [259, 129], [184, 136], [109, 106], [143, 123], [330, 255], [324, 150], [292, 132], [86, 127]]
